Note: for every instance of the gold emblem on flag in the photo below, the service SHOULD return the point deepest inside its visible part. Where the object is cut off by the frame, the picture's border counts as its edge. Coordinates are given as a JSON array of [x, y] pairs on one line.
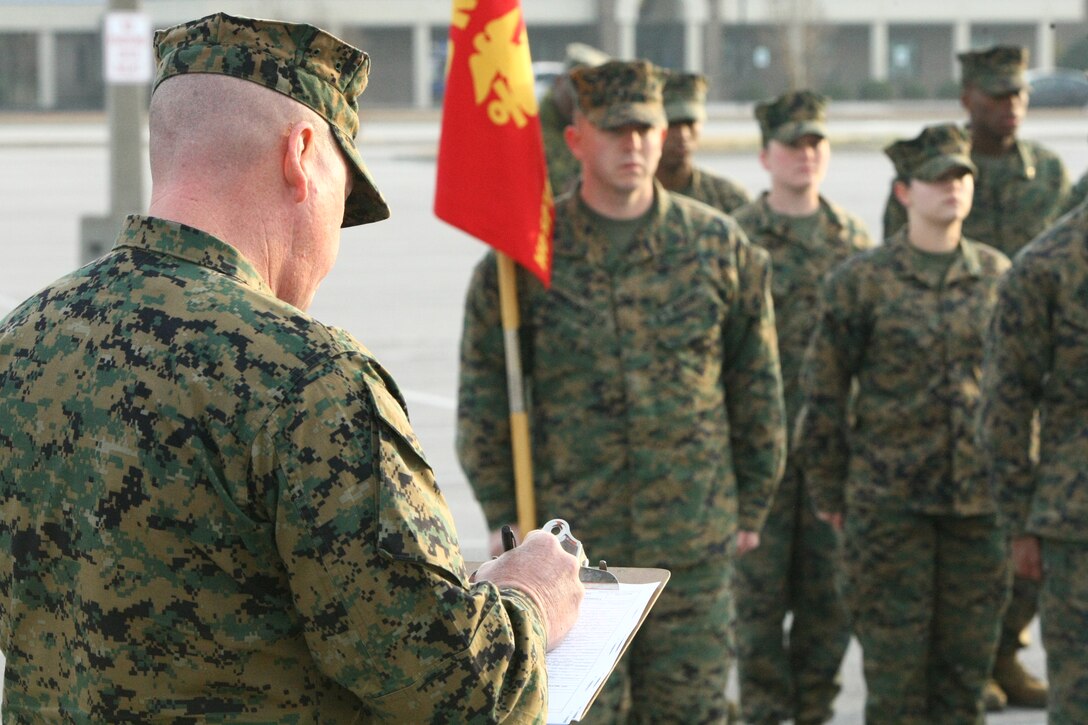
[[462, 12], [502, 71]]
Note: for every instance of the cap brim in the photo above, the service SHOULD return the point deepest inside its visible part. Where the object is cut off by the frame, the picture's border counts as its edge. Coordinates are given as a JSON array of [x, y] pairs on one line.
[[680, 111], [938, 166], [365, 204], [1002, 85], [626, 114], [789, 132]]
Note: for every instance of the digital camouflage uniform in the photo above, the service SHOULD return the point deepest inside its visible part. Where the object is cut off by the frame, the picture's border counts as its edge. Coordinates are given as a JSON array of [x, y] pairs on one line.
[[716, 191], [656, 417], [1017, 196], [1077, 194], [212, 506], [797, 565], [685, 102], [927, 563], [1037, 359]]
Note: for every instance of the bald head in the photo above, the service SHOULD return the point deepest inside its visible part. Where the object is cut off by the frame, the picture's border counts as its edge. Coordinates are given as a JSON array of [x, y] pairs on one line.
[[218, 128], [254, 168]]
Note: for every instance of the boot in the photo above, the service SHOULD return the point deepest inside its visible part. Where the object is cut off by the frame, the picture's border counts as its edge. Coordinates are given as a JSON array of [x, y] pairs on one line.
[[1022, 689], [993, 697]]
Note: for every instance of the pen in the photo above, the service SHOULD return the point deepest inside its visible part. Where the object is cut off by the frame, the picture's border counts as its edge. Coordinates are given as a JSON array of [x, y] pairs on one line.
[[508, 540]]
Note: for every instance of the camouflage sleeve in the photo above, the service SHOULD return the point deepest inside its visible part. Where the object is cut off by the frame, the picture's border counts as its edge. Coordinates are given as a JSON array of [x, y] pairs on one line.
[[374, 566], [1064, 192], [753, 389], [483, 430], [895, 216], [830, 365], [1018, 350], [1076, 195]]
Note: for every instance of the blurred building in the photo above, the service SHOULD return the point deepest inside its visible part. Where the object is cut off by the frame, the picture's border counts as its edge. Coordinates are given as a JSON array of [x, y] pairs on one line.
[[51, 55]]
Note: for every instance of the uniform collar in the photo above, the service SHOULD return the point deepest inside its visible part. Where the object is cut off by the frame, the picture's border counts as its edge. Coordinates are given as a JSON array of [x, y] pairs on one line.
[[191, 245], [1024, 156], [586, 242], [966, 264], [830, 222]]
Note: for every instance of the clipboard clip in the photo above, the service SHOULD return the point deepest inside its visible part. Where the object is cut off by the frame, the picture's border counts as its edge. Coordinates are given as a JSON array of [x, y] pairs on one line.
[[591, 577]]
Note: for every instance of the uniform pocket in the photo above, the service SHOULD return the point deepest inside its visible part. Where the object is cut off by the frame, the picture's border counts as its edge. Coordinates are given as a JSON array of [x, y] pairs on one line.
[[414, 522], [691, 321]]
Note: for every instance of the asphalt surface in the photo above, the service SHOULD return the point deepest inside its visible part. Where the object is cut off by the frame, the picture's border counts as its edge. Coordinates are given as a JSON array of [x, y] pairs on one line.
[[399, 285]]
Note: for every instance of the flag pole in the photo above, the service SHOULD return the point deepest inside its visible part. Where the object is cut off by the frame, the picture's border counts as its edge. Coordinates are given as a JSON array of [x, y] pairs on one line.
[[515, 388]]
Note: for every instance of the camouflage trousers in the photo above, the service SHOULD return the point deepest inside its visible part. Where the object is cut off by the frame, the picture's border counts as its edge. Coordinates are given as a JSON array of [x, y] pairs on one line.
[[1063, 609], [926, 593], [677, 668], [1023, 605], [796, 569]]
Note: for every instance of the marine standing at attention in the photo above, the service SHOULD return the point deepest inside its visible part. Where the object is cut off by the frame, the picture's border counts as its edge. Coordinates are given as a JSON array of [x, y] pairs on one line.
[[887, 439], [655, 398], [1037, 361], [1020, 190], [794, 675]]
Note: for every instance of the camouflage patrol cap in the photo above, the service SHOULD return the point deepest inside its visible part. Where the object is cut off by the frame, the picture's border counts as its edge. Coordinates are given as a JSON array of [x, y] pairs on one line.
[[302, 62], [685, 97], [791, 116], [580, 54], [621, 92], [997, 70], [932, 153]]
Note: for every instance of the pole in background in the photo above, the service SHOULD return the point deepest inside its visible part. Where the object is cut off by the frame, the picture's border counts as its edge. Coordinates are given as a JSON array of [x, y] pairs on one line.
[[128, 69]]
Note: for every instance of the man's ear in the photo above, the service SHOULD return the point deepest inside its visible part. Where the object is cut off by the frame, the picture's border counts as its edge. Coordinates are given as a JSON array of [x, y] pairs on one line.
[[573, 136], [901, 189], [298, 160]]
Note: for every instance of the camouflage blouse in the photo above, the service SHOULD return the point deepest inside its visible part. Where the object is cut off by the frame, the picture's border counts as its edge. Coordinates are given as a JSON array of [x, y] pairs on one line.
[[213, 507], [911, 343]]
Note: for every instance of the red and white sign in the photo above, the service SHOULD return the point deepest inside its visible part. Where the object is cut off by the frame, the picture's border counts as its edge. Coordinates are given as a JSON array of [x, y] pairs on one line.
[[127, 48]]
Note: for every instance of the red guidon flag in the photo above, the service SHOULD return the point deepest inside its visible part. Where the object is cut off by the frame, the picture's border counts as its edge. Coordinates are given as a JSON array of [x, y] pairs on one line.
[[492, 179]]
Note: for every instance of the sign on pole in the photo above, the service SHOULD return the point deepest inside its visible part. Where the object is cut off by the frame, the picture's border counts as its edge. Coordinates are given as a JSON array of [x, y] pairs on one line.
[[128, 55]]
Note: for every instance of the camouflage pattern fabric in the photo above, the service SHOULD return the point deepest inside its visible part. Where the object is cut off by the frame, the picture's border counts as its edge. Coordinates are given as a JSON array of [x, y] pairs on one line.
[[1037, 358], [797, 565], [1077, 194], [905, 468], [300, 61], [1017, 196], [926, 593], [213, 508], [931, 154], [997, 70], [655, 400], [799, 267], [913, 344], [791, 116], [685, 97], [713, 190], [563, 168], [1063, 607], [619, 93]]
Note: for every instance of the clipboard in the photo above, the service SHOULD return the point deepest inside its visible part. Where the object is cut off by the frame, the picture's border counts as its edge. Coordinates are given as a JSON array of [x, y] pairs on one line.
[[577, 701], [617, 602]]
